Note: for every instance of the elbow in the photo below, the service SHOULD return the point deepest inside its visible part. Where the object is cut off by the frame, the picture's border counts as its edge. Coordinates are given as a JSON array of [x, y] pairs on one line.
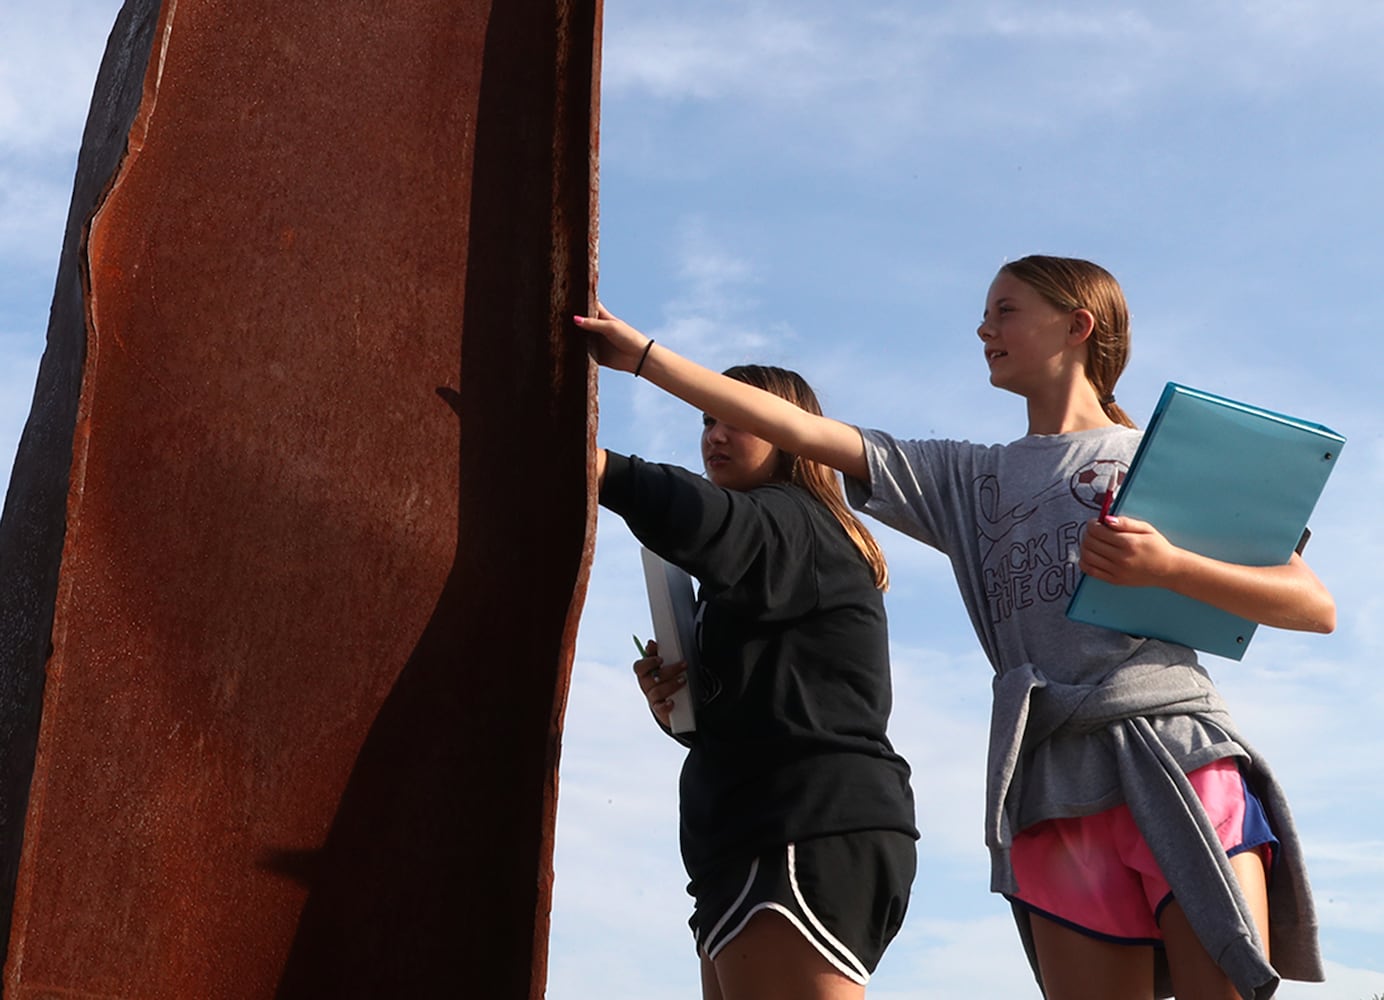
[[1316, 606], [1326, 619], [1325, 611], [1316, 615]]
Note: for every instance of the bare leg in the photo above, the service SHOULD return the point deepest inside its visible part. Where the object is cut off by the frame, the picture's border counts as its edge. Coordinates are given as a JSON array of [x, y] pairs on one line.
[[771, 960], [711, 989], [1195, 974], [1077, 967]]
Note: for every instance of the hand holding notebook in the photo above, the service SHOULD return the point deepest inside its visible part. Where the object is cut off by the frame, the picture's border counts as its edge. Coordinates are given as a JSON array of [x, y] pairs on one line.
[[1221, 478], [673, 606]]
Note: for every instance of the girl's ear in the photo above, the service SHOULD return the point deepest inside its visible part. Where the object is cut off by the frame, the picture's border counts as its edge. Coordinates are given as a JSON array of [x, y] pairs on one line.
[[1083, 324]]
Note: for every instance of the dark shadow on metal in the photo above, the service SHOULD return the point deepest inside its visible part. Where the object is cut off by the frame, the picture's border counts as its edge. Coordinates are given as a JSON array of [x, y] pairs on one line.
[[436, 877]]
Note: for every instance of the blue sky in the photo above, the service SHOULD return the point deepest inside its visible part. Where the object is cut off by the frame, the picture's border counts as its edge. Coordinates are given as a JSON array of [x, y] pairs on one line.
[[832, 187]]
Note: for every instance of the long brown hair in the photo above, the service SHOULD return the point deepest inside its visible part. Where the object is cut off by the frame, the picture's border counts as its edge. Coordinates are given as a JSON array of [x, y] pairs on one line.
[[1069, 283], [819, 480]]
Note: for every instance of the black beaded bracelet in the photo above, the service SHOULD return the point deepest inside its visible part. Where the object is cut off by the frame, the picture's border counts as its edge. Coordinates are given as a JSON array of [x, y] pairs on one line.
[[643, 357]]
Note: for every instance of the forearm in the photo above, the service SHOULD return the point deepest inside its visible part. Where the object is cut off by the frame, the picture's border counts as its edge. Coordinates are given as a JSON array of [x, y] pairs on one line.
[[1288, 596], [763, 414], [1132, 553]]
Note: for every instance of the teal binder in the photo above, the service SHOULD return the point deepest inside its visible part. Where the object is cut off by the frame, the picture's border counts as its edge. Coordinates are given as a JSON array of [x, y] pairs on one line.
[[1223, 479]]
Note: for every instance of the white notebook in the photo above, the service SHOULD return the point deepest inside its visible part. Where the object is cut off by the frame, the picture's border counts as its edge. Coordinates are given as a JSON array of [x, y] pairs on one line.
[[673, 607]]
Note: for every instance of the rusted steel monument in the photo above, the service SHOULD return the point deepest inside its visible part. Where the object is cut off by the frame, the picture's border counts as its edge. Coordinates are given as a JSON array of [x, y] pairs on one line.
[[298, 532]]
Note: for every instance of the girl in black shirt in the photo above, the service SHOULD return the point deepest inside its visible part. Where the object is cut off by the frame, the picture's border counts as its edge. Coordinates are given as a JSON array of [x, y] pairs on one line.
[[796, 813]]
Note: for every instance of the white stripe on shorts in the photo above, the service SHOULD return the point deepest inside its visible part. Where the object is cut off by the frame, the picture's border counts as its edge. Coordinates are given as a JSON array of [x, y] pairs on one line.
[[858, 973], [754, 870], [852, 968]]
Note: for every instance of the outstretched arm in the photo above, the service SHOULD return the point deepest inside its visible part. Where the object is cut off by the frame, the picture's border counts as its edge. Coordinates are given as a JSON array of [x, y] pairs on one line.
[[620, 346], [1133, 553]]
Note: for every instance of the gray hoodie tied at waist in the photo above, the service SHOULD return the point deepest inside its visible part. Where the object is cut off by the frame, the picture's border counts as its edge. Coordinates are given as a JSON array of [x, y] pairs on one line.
[[1030, 708]]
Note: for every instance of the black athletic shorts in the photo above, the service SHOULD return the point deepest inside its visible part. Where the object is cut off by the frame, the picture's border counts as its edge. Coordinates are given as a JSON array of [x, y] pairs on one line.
[[847, 894]]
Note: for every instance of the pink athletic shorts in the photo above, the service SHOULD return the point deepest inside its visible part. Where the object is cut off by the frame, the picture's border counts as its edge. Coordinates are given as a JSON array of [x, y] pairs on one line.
[[1096, 874]]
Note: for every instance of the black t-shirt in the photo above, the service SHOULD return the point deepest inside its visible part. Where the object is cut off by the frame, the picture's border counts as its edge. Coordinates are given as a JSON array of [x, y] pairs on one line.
[[793, 693]]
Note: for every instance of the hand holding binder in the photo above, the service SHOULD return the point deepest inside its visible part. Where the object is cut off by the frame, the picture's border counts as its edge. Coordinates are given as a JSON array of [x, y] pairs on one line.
[[1226, 480]]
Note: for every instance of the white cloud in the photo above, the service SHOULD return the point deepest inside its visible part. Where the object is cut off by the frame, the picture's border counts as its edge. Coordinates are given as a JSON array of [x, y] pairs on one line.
[[712, 309], [33, 213], [51, 55], [18, 367], [685, 53], [714, 277], [619, 908], [889, 80], [1306, 24], [710, 317], [939, 724]]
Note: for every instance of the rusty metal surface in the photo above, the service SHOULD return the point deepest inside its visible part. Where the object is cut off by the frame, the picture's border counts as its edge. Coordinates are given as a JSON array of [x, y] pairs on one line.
[[328, 517]]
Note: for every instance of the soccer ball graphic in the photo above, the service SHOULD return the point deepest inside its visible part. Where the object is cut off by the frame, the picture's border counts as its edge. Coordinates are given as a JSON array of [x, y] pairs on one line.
[[1092, 481]]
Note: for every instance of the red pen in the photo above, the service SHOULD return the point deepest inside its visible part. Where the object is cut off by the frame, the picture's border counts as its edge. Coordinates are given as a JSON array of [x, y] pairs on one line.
[[1109, 498]]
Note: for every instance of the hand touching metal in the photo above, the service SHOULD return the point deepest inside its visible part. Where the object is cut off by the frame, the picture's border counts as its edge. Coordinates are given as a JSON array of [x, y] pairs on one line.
[[616, 344]]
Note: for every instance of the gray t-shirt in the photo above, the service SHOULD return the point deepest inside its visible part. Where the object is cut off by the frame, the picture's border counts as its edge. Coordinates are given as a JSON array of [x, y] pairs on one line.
[[1011, 519], [1085, 718]]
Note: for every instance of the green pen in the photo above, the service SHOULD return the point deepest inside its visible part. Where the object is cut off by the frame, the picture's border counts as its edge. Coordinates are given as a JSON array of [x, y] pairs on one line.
[[640, 645]]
